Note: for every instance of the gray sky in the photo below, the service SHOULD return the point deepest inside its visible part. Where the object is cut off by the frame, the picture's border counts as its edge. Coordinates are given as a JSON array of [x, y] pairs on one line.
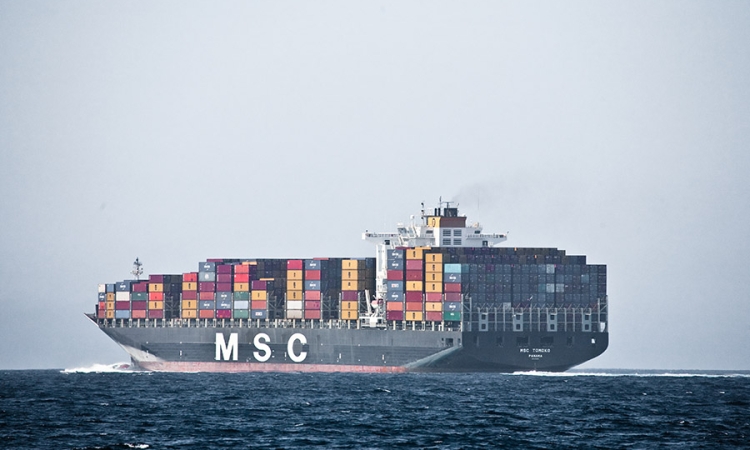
[[180, 131]]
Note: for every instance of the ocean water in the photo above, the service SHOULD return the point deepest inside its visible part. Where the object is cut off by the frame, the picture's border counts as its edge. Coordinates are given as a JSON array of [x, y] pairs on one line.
[[103, 408]]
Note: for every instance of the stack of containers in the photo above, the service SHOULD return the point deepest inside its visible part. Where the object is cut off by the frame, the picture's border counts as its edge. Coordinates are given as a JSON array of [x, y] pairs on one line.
[[352, 281], [294, 286], [189, 304], [259, 298], [207, 290], [395, 294], [241, 289], [415, 284], [122, 299], [172, 293], [156, 296], [101, 306], [313, 286], [223, 296], [452, 286], [109, 301], [433, 263], [139, 300]]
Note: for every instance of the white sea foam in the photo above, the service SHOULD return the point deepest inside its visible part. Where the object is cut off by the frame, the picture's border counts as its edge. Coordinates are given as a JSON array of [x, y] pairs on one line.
[[101, 368]]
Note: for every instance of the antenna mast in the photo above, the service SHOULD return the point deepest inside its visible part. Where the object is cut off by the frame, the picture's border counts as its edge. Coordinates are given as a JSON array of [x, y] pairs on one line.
[[137, 270]]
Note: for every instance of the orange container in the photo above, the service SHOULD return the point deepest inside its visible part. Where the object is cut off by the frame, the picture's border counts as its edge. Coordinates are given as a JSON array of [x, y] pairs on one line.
[[206, 314], [138, 314], [154, 296], [414, 306]]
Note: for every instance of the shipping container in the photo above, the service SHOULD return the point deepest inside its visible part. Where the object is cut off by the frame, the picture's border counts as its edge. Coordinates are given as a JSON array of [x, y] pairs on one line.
[[242, 269], [433, 306], [312, 285], [102, 289], [349, 305], [258, 285], [294, 285], [433, 297], [224, 304], [109, 314], [141, 286], [259, 314], [414, 264], [349, 315], [452, 268], [413, 296], [258, 304], [156, 314], [123, 286], [241, 295], [414, 306], [395, 254], [414, 253], [189, 314], [207, 304], [242, 278], [312, 314], [190, 277], [434, 316], [189, 286], [156, 287], [352, 264], [451, 316], [122, 296], [294, 264], [452, 277], [138, 314], [312, 295], [206, 295], [452, 287], [452, 306], [122, 314], [394, 315], [433, 287], [241, 304], [433, 257], [190, 295], [155, 296], [312, 304], [394, 306], [294, 304], [155, 304], [414, 316], [352, 285], [139, 296], [452, 296], [414, 275], [110, 296], [259, 295], [241, 314], [395, 275], [434, 277], [224, 269], [312, 275], [433, 268], [223, 313], [109, 305], [224, 278], [396, 296], [294, 295], [395, 286], [396, 264], [241, 287], [207, 266], [313, 264], [206, 286], [414, 286], [122, 306], [223, 287], [190, 304], [206, 313], [294, 314]]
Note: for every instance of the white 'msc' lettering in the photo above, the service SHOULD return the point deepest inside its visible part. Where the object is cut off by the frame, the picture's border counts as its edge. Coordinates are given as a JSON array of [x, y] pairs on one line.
[[290, 347], [223, 348], [261, 343]]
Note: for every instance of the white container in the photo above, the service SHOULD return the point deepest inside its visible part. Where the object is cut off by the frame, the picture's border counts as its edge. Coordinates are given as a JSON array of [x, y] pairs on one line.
[[122, 296], [294, 304]]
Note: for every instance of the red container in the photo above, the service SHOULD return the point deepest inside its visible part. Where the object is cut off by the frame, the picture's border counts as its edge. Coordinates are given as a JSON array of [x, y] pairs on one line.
[[101, 313], [394, 306], [452, 296], [224, 287], [122, 306], [223, 277], [434, 316], [102, 306], [242, 268], [223, 313], [349, 296], [294, 264], [258, 304], [312, 304], [241, 277], [190, 277], [190, 295], [414, 306], [414, 275], [257, 285], [140, 287], [224, 268], [206, 296], [207, 286], [395, 275], [138, 314], [215, 260], [413, 296], [434, 297], [156, 278], [394, 315], [452, 287], [312, 314], [312, 274], [312, 295], [156, 314], [206, 314], [414, 264], [139, 305], [156, 296]]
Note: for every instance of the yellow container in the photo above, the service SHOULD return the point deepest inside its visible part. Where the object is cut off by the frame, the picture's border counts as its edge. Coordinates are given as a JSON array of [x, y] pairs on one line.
[[109, 314], [189, 304], [293, 274], [414, 316], [414, 253], [189, 313], [433, 306], [433, 287], [294, 285], [189, 286], [110, 305], [352, 275], [433, 267], [433, 257], [294, 295], [156, 304], [349, 306], [352, 285], [437, 277], [259, 295], [241, 287], [349, 315], [352, 264], [433, 222], [156, 287], [110, 296], [414, 286]]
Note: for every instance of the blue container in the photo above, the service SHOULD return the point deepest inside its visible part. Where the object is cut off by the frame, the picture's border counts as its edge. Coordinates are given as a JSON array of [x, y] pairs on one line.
[[207, 267], [394, 296], [224, 304], [312, 285], [395, 254], [110, 288], [312, 264], [241, 304], [395, 264], [258, 314], [122, 314], [224, 296], [452, 306], [207, 304], [206, 276], [452, 277], [452, 268], [394, 286], [123, 286], [102, 297]]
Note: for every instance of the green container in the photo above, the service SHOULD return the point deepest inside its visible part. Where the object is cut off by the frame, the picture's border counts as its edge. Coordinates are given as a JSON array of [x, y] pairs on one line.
[[451, 315], [241, 314], [139, 295], [242, 296]]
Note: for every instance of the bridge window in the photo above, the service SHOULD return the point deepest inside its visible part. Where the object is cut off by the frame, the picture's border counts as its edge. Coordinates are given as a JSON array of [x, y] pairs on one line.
[[447, 241], [457, 232], [446, 232]]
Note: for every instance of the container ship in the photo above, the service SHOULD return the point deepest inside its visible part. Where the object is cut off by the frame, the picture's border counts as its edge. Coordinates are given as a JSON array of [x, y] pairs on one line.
[[440, 295]]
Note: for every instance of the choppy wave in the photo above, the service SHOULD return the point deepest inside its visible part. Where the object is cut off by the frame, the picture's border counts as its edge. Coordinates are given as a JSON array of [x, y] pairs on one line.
[[101, 368], [636, 373]]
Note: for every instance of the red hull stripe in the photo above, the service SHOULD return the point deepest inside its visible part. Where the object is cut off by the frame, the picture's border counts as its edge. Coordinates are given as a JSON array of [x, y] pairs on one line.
[[176, 366]]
